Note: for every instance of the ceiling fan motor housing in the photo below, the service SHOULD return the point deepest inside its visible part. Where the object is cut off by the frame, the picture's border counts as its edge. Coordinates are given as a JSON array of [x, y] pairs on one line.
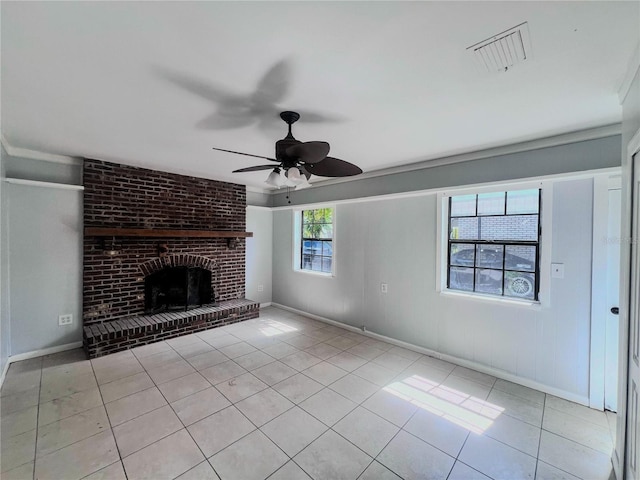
[[281, 149]]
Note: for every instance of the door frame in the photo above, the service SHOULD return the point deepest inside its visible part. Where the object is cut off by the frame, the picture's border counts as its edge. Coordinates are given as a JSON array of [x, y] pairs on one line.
[[601, 186], [618, 456]]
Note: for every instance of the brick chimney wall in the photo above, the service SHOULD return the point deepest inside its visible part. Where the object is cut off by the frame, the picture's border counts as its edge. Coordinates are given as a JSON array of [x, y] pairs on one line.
[[120, 196]]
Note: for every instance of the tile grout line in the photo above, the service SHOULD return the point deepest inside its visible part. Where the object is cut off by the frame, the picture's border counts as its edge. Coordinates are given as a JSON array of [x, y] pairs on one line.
[[297, 405], [35, 447], [268, 386], [232, 404], [110, 424], [544, 411]]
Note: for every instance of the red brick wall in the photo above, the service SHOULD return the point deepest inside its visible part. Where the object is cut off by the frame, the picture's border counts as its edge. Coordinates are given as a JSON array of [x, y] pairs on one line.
[[130, 197]]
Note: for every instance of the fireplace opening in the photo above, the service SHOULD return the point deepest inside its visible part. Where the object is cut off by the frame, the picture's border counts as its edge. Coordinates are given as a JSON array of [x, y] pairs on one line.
[[177, 288]]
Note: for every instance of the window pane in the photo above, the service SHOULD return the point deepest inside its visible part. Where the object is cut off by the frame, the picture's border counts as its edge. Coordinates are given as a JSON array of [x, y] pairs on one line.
[[516, 227], [325, 230], [463, 205], [464, 228], [489, 256], [523, 201], [462, 254], [489, 281], [316, 263], [327, 249], [491, 203], [322, 215], [520, 257], [519, 284], [309, 231], [461, 278], [307, 216], [326, 264]]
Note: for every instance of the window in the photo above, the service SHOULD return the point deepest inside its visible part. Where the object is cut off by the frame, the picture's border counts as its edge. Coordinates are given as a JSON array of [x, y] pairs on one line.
[[494, 243], [316, 245]]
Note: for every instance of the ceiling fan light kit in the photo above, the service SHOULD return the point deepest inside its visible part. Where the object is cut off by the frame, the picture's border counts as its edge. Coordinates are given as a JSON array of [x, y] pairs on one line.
[[294, 176], [275, 178], [299, 160]]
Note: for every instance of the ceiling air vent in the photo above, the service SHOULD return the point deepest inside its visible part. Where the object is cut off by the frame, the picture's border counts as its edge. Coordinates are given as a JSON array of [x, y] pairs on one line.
[[502, 51]]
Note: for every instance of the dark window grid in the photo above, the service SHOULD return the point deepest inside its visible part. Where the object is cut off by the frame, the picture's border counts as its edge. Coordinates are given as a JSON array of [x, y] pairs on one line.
[[536, 244], [311, 269], [322, 256], [504, 255], [319, 239], [494, 215], [504, 214]]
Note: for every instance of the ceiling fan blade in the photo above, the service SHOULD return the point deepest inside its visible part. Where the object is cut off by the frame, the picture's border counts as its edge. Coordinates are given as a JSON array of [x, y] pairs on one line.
[[221, 121], [334, 167], [197, 86], [246, 154], [254, 169], [309, 152], [307, 116], [274, 84]]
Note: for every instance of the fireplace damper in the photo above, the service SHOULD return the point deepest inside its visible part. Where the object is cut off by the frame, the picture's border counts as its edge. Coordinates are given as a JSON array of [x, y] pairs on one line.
[[177, 288]]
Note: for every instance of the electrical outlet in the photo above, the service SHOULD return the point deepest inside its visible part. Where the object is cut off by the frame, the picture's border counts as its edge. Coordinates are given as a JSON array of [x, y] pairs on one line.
[[65, 319], [260, 288], [384, 288]]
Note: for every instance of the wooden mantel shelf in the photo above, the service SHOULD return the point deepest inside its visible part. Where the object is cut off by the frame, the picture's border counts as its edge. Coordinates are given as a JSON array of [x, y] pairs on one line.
[[162, 233]]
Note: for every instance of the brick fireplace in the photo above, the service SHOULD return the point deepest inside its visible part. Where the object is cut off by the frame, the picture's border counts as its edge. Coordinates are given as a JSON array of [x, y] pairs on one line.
[[156, 219]]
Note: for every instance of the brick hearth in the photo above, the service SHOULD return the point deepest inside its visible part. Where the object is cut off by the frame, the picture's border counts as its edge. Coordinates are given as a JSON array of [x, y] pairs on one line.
[[109, 337], [119, 196]]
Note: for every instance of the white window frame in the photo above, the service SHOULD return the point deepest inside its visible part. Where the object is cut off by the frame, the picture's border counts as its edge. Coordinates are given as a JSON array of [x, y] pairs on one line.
[[544, 245], [297, 240]]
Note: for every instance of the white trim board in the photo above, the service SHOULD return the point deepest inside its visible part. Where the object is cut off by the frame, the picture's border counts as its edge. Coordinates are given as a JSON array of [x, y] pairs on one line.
[[258, 207], [36, 155], [38, 183], [43, 352], [598, 302], [572, 397], [4, 372]]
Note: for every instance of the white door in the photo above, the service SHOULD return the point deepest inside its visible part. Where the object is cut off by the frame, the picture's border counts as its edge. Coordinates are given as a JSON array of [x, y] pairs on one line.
[[632, 456], [613, 297]]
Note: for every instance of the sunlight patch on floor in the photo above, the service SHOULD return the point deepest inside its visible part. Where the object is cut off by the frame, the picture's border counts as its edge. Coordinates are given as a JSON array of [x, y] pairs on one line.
[[274, 327], [469, 412]]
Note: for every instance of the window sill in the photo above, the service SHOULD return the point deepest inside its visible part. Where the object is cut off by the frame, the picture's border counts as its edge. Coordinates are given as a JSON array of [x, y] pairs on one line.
[[533, 304], [314, 273]]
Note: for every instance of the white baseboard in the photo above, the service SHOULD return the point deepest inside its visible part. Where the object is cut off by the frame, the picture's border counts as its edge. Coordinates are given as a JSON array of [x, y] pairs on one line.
[[44, 351], [527, 382], [4, 372], [266, 304]]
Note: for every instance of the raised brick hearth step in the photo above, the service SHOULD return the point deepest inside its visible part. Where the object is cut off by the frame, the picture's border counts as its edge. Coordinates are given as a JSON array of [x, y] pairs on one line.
[[122, 334]]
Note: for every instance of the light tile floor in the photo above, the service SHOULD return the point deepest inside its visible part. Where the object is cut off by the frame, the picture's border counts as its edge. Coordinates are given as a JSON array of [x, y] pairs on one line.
[[286, 397]]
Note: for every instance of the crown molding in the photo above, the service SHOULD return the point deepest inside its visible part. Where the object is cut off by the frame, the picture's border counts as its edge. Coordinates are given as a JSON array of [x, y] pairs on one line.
[[36, 155], [632, 71], [497, 185], [251, 188], [553, 141]]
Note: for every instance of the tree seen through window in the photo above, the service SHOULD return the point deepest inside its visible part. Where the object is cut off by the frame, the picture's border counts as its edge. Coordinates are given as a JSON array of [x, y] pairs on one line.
[[317, 240]]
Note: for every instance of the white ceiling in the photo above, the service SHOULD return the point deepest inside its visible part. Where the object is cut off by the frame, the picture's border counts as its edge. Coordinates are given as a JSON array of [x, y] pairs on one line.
[[107, 80]]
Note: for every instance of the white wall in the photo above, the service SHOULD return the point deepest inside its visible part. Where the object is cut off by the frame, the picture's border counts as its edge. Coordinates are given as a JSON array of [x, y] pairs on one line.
[[394, 241], [259, 254], [45, 258]]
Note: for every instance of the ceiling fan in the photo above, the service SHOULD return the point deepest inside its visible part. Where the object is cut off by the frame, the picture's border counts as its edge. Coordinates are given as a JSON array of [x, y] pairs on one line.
[[299, 160]]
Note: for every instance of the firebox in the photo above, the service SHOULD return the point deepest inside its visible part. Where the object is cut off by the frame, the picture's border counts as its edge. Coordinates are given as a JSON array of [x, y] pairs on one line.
[[177, 288]]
